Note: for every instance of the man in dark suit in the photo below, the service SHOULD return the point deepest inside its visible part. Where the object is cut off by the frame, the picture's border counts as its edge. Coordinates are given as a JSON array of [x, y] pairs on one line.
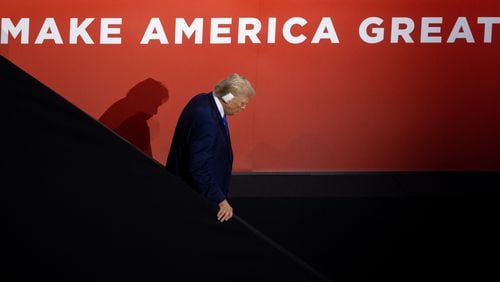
[[201, 153]]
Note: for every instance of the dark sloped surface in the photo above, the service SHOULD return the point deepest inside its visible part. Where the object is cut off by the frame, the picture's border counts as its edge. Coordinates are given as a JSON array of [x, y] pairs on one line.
[[83, 204]]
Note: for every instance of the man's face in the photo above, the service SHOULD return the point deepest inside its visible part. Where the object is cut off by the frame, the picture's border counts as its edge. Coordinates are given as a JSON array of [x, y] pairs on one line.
[[235, 105]]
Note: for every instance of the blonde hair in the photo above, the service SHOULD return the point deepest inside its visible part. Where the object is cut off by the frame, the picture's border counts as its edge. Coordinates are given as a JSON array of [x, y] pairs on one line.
[[235, 84]]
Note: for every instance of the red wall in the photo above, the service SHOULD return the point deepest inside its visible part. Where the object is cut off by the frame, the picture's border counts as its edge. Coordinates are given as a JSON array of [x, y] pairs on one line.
[[319, 107]]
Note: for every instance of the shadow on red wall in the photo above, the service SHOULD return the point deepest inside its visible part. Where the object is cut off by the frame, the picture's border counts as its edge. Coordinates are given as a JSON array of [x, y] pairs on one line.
[[129, 116]]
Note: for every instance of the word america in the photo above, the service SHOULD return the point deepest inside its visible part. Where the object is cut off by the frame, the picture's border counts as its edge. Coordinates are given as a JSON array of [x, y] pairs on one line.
[[371, 30]]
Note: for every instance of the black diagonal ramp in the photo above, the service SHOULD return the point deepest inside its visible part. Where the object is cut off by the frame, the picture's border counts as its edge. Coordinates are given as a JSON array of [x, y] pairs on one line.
[[82, 204]]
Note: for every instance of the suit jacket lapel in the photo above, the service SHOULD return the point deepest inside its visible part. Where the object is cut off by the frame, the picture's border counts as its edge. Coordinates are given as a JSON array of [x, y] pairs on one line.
[[216, 115]]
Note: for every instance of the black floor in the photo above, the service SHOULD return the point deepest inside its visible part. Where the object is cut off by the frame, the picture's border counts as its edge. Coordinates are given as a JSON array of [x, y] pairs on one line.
[[426, 237]]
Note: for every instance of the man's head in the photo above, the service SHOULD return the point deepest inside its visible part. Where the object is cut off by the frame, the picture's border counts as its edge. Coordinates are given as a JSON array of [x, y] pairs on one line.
[[147, 96], [235, 92]]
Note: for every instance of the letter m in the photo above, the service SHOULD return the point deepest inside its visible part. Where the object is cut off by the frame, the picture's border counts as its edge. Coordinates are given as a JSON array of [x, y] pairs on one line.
[[23, 27]]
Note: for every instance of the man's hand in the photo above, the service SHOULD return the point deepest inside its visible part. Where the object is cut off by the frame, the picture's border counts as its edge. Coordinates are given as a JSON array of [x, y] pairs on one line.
[[225, 211]]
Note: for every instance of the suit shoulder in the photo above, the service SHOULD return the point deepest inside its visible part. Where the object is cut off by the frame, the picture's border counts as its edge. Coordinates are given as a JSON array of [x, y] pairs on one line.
[[199, 104], [198, 109], [201, 98]]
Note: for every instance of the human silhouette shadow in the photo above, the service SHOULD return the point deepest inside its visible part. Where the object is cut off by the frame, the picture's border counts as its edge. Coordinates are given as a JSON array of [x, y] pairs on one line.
[[129, 116]]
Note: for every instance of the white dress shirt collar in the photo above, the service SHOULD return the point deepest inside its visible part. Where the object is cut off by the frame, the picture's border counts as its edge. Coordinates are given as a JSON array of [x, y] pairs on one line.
[[219, 105]]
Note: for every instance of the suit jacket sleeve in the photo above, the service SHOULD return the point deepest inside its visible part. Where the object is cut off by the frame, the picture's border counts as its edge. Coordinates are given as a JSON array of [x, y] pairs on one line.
[[202, 162]]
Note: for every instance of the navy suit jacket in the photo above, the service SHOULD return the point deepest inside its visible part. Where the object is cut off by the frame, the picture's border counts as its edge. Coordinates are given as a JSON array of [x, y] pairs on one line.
[[201, 153]]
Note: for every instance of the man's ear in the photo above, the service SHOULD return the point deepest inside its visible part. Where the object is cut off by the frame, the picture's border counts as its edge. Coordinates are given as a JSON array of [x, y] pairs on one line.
[[227, 98]]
